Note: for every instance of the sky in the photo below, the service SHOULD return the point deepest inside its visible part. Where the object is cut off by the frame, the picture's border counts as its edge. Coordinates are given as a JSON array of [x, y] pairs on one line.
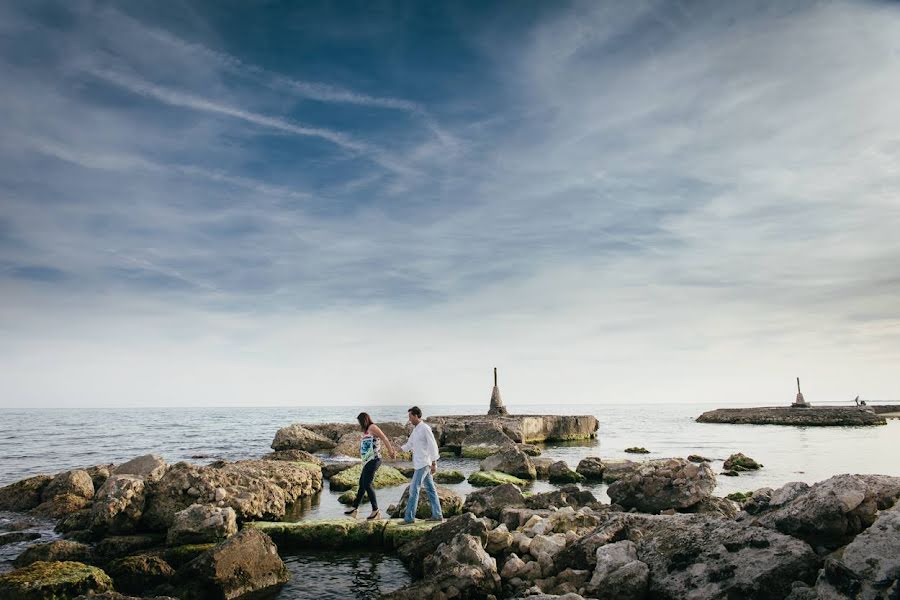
[[369, 203]]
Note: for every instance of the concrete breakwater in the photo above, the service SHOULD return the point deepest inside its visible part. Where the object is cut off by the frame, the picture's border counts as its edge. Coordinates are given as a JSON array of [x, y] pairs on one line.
[[813, 416]]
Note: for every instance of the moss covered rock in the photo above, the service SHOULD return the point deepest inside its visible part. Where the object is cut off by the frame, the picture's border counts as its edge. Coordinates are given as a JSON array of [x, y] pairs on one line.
[[739, 497], [637, 450], [449, 477], [396, 532], [25, 494], [739, 462], [561, 473], [53, 581], [326, 533], [489, 478], [57, 550], [178, 556], [385, 476], [135, 574]]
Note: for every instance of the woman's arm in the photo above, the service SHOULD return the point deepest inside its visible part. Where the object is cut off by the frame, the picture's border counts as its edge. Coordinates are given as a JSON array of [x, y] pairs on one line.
[[377, 432]]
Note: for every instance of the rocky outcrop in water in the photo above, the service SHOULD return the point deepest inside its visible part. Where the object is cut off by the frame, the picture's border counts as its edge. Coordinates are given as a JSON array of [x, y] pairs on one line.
[[658, 485], [808, 417], [511, 461], [298, 437]]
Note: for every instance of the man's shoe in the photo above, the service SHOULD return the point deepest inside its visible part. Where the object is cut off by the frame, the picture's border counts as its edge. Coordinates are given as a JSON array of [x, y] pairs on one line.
[[437, 520], [405, 522]]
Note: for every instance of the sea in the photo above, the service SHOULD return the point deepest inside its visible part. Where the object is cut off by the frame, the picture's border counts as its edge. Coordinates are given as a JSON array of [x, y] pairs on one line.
[[49, 440]]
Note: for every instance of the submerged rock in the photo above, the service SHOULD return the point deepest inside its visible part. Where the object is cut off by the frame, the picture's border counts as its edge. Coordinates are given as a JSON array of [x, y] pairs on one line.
[[15, 537], [658, 485], [637, 450], [740, 462], [590, 468], [297, 437], [53, 580]]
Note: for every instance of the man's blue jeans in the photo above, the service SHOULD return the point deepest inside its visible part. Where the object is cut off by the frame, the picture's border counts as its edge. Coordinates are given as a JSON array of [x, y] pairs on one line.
[[421, 476]]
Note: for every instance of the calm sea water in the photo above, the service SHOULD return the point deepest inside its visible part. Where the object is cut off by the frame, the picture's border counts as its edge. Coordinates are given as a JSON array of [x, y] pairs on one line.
[[51, 440]]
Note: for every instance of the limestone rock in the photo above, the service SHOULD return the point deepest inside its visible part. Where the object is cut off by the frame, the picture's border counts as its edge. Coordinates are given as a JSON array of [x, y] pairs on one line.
[[348, 445], [659, 485], [60, 506], [202, 524], [57, 550], [75, 483], [619, 574], [591, 468], [561, 473], [483, 440], [99, 474], [136, 574], [244, 564], [739, 462], [332, 468], [569, 495], [542, 466], [414, 553], [713, 505], [511, 461], [490, 502], [295, 456], [297, 437], [492, 478], [616, 469], [117, 546], [52, 580], [696, 458], [119, 505], [449, 477], [451, 503], [385, 476], [148, 467], [832, 512]]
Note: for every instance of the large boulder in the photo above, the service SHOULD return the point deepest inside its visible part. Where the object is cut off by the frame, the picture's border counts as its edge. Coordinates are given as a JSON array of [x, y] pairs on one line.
[[483, 440], [295, 456], [616, 469], [53, 580], [591, 468], [658, 485], [57, 550], [560, 472], [298, 437], [202, 524], [255, 489], [60, 506], [451, 503], [699, 556], [542, 466], [148, 467], [76, 483], [831, 513], [137, 574], [490, 502], [244, 564], [119, 505], [414, 552], [869, 567], [459, 568], [24, 494], [348, 444], [100, 473], [511, 461], [569, 495], [385, 476], [451, 476], [492, 478], [619, 574]]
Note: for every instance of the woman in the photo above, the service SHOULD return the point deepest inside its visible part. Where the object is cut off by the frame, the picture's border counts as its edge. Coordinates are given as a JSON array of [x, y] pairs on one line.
[[370, 451]]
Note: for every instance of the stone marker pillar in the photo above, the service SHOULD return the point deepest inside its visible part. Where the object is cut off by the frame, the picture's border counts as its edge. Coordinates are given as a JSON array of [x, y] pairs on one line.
[[497, 407], [800, 402]]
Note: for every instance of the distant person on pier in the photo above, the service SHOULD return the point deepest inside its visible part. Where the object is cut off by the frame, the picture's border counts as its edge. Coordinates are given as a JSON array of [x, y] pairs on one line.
[[425, 455], [370, 452], [856, 400]]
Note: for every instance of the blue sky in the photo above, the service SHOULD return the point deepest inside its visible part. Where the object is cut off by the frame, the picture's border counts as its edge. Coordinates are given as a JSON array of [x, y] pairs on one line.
[[375, 203]]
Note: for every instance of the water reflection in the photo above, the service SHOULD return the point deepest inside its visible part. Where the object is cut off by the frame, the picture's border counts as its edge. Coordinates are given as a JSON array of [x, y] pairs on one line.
[[328, 575]]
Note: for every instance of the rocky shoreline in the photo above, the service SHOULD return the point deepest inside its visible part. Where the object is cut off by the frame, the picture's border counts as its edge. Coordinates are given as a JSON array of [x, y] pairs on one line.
[[146, 528], [810, 417]]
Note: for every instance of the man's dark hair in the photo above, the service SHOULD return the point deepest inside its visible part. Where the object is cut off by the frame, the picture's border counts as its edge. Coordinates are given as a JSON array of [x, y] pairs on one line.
[[416, 411]]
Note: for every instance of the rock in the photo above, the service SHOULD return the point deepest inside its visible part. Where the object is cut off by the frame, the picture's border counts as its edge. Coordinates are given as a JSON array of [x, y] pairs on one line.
[[499, 540], [244, 564], [511, 461], [333, 468], [119, 505], [118, 596], [148, 467], [449, 477], [451, 503], [19, 524], [832, 512], [178, 556], [561, 473], [614, 470], [814, 417], [542, 466], [768, 499], [637, 450], [297, 437], [869, 566], [18, 536], [53, 580], [55, 551], [663, 484], [484, 440], [513, 567], [60, 505], [730, 473], [117, 546], [566, 581], [713, 505], [530, 449], [696, 458], [23, 495], [332, 431], [738, 462], [490, 502], [137, 574], [75, 483], [99, 474], [582, 553], [590, 468], [458, 568], [492, 478], [202, 524], [414, 553], [724, 559], [570, 495], [385, 476], [739, 497], [295, 456], [348, 445], [619, 574], [255, 489]]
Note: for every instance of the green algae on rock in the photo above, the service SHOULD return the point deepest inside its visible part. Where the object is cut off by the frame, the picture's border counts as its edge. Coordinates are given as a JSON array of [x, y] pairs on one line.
[[449, 477], [739, 462], [342, 533], [53, 581], [637, 450], [489, 478], [385, 476]]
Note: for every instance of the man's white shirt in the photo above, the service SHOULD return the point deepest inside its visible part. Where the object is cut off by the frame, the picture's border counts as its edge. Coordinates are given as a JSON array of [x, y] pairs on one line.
[[423, 445]]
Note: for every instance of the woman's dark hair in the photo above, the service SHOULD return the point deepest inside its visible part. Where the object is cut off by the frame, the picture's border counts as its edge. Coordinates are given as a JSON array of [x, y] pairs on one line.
[[416, 411], [364, 420]]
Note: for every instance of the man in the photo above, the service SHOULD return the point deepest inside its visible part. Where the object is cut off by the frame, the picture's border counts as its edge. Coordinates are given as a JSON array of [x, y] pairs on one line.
[[425, 454]]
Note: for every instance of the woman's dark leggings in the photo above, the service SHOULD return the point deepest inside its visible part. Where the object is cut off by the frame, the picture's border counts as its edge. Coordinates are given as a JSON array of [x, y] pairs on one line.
[[365, 483]]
